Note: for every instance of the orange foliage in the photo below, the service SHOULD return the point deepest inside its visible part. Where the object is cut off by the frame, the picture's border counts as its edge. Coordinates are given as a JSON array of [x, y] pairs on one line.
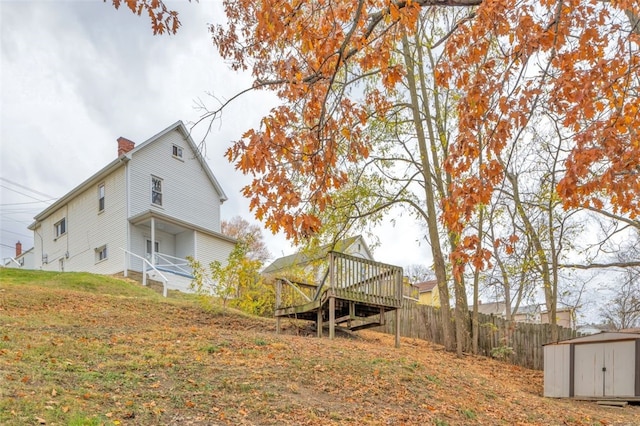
[[592, 82], [162, 19], [309, 53]]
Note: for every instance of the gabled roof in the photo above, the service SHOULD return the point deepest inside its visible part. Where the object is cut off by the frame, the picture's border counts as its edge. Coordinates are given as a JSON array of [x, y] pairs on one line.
[[179, 126], [426, 286], [302, 258], [123, 159]]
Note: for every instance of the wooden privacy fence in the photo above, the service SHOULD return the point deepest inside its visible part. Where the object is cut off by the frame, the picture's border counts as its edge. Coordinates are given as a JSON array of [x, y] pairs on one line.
[[516, 342]]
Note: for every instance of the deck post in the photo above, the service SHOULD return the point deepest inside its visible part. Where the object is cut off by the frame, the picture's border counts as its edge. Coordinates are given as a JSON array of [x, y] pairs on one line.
[[332, 317], [397, 327], [278, 299], [319, 322]]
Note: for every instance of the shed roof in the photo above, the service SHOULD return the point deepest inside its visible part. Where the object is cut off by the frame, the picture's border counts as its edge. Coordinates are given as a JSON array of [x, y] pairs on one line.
[[605, 336]]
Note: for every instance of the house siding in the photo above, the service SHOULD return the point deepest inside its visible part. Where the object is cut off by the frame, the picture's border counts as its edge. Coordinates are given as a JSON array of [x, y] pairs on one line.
[[187, 192], [185, 244], [210, 248], [358, 249], [139, 236], [86, 230]]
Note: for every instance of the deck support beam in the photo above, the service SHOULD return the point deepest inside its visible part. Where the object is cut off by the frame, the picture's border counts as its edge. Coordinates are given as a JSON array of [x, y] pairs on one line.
[[332, 317], [278, 300], [319, 322], [397, 327]]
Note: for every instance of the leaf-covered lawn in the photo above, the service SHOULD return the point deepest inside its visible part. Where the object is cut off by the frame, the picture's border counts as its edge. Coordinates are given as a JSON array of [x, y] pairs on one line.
[[111, 352]]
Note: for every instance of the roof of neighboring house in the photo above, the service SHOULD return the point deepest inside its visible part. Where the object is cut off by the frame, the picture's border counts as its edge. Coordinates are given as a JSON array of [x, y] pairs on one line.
[[426, 286], [23, 254], [528, 309], [495, 308], [302, 258], [124, 158]]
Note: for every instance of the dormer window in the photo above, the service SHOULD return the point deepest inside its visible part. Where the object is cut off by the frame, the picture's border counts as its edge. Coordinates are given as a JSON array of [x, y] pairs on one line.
[[177, 151]]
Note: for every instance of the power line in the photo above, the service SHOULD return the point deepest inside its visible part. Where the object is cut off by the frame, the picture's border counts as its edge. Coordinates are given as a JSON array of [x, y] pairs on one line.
[[27, 188], [29, 202], [22, 193], [16, 233]]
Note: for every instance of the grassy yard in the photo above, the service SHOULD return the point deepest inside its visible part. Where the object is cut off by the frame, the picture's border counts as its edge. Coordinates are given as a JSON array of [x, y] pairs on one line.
[[81, 349]]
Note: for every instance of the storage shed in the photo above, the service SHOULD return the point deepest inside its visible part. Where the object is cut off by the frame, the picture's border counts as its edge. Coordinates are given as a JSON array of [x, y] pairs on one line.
[[605, 365]]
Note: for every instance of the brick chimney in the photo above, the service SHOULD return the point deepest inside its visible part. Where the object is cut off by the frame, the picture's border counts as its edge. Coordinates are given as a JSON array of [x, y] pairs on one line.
[[18, 248], [124, 145]]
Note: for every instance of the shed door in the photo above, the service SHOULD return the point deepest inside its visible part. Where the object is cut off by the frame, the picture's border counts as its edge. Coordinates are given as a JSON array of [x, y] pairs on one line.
[[604, 369]]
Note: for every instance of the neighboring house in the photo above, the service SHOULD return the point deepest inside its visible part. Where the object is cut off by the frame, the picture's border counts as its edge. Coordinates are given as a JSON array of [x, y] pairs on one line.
[[529, 314], [428, 293], [492, 308], [157, 201], [22, 259], [313, 263], [565, 317]]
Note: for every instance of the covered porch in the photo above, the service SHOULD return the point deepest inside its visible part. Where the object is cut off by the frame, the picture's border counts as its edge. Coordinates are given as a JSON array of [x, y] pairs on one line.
[[159, 245]]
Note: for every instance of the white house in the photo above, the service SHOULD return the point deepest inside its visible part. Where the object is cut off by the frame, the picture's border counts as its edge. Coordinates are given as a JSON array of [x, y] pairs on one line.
[[22, 259], [354, 246], [150, 208]]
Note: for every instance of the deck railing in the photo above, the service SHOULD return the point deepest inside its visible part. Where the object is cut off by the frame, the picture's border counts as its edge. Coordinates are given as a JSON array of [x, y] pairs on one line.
[[364, 280]]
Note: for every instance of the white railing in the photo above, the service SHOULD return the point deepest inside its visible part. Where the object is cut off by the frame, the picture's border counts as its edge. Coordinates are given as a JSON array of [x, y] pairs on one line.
[[145, 263], [173, 264], [180, 266]]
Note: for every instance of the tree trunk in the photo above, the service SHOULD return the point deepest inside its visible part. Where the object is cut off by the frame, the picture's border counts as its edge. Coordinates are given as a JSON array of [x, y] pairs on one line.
[[432, 219]]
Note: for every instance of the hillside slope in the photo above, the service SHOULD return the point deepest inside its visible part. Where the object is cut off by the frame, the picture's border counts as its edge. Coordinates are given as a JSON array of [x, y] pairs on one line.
[[78, 349]]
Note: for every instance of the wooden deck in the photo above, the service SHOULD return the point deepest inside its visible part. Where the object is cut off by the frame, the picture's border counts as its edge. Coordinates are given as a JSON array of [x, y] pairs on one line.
[[355, 294]]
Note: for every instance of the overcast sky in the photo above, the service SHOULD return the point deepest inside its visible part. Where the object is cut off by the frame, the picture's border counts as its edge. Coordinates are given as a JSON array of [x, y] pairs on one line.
[[76, 75]]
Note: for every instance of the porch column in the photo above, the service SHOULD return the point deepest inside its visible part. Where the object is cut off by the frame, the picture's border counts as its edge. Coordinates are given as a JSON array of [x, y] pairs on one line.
[[195, 245], [153, 240]]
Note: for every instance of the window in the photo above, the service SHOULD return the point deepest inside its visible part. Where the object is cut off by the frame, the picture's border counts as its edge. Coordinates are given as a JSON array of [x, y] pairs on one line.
[[156, 190], [177, 151], [61, 227], [101, 197], [101, 253], [155, 247]]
